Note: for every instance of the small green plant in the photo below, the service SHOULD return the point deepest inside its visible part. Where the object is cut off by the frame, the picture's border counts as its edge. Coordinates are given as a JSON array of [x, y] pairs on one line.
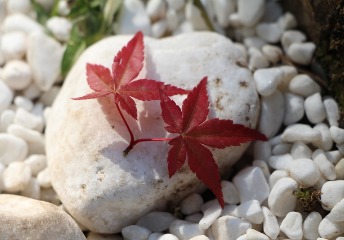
[[308, 197]]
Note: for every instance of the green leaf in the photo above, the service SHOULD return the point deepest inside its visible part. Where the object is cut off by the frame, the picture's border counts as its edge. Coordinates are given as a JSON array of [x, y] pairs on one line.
[[42, 14], [71, 54], [199, 5]]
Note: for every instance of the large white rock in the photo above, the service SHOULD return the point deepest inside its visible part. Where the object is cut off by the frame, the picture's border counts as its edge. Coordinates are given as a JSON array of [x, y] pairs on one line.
[[25, 218], [106, 191]]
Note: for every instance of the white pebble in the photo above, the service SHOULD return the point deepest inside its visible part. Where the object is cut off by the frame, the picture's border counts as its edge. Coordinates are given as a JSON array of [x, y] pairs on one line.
[[251, 184], [332, 193], [289, 73], [301, 132], [28, 120], [22, 23], [223, 8], [337, 134], [310, 226], [211, 211], [32, 91], [134, 232], [26, 134], [304, 171], [267, 80], [252, 234], [301, 53], [262, 150], [154, 236], [263, 166], [333, 156], [303, 85], [275, 140], [272, 53], [48, 97], [159, 28], [325, 167], [200, 237], [175, 4], [326, 140], [13, 45], [194, 16], [300, 150], [321, 182], [254, 43], [32, 189], [251, 211], [272, 12], [45, 67], [7, 118], [329, 229], [36, 163], [256, 59], [230, 193], [43, 178], [280, 162], [270, 224], [60, 27], [23, 102], [156, 221], [270, 32], [168, 236], [6, 96], [287, 21], [12, 149], [63, 8], [16, 177], [281, 199], [229, 210], [156, 9], [228, 227], [340, 148], [194, 218], [294, 108], [15, 6], [184, 230], [314, 108], [250, 12], [332, 111], [172, 20], [292, 225], [282, 148], [290, 37], [275, 176], [191, 204], [17, 74], [339, 168], [337, 212], [272, 114]]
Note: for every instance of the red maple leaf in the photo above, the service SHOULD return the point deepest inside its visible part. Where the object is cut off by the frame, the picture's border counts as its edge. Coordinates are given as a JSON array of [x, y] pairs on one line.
[[196, 132], [126, 66]]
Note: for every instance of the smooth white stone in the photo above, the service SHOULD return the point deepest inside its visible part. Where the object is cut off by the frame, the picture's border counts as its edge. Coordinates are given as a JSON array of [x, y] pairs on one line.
[[292, 225], [301, 132], [337, 212], [60, 27], [326, 140], [242, 237], [304, 171], [310, 226], [23, 102], [230, 193], [32, 189], [134, 232], [251, 184], [194, 218], [194, 16], [13, 45], [280, 162], [134, 18], [325, 167], [229, 210], [156, 9], [200, 237], [36, 163], [47, 98], [12, 149], [46, 68], [159, 28], [175, 4], [252, 234], [223, 8], [303, 85], [250, 12], [24, 217], [254, 42], [16, 177], [184, 27], [294, 108], [332, 193], [211, 211], [275, 140], [270, 224], [272, 53], [281, 199], [228, 227], [256, 59], [98, 236], [143, 181], [314, 108], [156, 221], [282, 148], [22, 23], [7, 118], [340, 148], [289, 72], [275, 176], [272, 12], [191, 204], [43, 178], [271, 114], [337, 134], [32, 91], [301, 53], [29, 135], [38, 110], [184, 230], [261, 150], [153, 236], [333, 156], [270, 32], [17, 74], [6, 96], [267, 80], [28, 120], [263, 166], [300, 150], [320, 183], [172, 20], [63, 8], [287, 21], [329, 229], [339, 168], [168, 236], [290, 37], [251, 211], [14, 6], [332, 111]]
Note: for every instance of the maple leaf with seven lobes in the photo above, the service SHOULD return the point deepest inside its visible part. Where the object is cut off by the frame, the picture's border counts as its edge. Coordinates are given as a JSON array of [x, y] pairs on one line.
[[195, 132], [126, 66]]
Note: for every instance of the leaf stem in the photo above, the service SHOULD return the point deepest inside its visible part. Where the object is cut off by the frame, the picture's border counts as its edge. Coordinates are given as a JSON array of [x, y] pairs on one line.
[[126, 124], [132, 144]]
